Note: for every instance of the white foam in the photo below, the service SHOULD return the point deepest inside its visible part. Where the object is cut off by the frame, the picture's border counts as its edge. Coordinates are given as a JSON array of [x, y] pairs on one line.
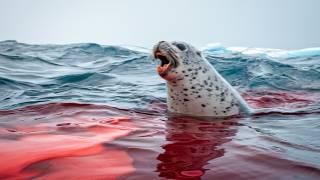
[[217, 48]]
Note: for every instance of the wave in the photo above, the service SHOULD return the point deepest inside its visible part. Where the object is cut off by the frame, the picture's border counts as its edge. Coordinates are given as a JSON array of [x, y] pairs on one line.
[[76, 78], [125, 75], [218, 49]]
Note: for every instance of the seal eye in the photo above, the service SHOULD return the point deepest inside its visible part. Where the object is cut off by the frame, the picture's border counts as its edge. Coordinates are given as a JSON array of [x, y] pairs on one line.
[[181, 47], [199, 53]]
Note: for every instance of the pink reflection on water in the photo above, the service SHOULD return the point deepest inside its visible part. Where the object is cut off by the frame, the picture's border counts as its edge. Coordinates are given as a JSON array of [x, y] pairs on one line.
[[69, 142], [84, 141]]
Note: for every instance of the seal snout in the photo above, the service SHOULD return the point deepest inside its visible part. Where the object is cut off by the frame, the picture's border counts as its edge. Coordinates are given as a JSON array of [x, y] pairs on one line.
[[160, 53], [158, 49], [163, 51]]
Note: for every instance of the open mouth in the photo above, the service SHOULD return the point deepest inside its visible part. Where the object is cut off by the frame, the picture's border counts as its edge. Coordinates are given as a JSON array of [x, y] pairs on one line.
[[165, 65]]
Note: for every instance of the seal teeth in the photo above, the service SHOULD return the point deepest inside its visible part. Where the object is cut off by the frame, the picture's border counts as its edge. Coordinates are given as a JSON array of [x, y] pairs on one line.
[[164, 59], [166, 54], [163, 69]]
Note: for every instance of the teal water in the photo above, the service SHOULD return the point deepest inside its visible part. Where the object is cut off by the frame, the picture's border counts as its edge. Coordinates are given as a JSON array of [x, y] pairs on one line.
[[38, 81]]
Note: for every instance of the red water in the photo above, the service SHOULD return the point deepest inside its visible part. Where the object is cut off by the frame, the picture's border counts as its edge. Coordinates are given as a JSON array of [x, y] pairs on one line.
[[274, 99], [63, 140], [83, 141]]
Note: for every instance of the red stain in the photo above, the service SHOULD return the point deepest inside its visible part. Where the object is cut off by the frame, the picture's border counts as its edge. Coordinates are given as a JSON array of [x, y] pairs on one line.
[[192, 173], [56, 149], [274, 99], [72, 141], [191, 144], [109, 164]]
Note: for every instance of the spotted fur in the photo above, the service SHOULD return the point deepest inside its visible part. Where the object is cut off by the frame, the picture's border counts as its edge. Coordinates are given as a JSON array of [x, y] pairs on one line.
[[199, 90]]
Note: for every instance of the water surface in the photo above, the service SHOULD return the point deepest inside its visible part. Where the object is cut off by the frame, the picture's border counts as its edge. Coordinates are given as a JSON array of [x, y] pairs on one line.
[[88, 111]]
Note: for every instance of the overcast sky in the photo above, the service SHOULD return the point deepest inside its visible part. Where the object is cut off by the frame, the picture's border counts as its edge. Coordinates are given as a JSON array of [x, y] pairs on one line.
[[287, 24]]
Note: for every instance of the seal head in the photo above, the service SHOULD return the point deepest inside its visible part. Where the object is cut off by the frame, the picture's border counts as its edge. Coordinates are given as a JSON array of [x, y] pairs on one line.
[[194, 86], [173, 58]]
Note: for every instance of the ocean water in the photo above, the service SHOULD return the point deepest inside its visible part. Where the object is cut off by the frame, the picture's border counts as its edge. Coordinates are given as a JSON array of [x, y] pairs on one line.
[[90, 111]]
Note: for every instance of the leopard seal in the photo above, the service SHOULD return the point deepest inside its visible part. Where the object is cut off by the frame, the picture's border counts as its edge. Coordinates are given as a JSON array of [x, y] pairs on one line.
[[194, 87]]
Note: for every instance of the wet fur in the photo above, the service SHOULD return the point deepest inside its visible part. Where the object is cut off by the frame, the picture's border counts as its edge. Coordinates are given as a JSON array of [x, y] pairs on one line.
[[199, 90]]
